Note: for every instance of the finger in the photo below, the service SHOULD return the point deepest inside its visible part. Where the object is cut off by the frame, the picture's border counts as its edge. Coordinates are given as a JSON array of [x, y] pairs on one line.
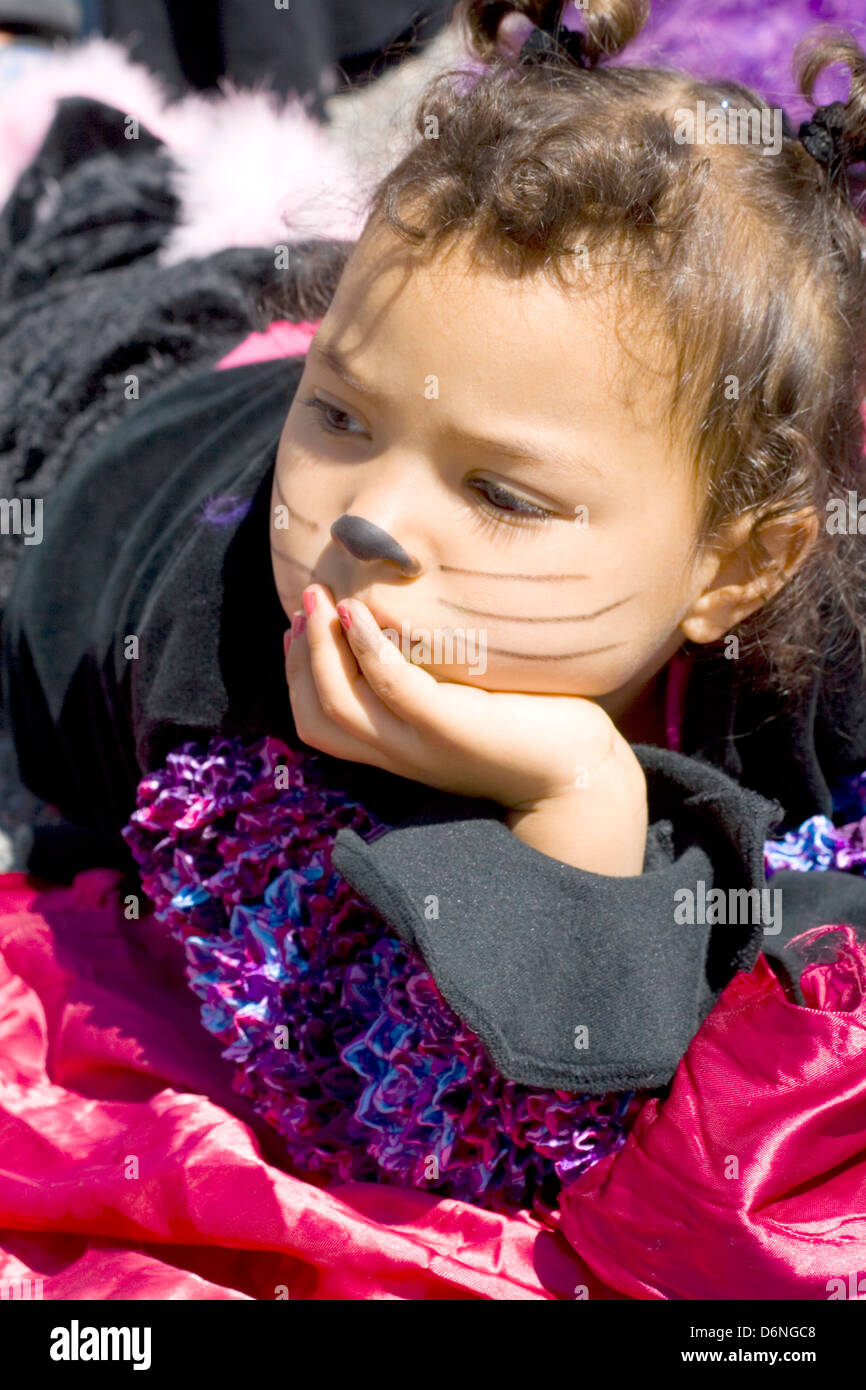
[[312, 725], [292, 647], [329, 653], [412, 694], [344, 693]]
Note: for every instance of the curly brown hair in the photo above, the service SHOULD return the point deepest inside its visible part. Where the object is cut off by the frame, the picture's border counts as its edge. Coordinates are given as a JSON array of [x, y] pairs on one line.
[[754, 267]]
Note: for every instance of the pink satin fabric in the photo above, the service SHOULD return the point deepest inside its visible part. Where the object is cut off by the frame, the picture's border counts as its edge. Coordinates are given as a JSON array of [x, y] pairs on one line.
[[104, 1065], [749, 1180], [129, 1169]]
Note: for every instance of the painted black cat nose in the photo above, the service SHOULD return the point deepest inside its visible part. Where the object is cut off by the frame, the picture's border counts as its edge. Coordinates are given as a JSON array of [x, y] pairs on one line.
[[366, 541]]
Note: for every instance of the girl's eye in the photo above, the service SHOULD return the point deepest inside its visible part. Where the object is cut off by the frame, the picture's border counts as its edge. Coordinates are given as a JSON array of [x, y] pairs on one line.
[[333, 420], [327, 415], [505, 501]]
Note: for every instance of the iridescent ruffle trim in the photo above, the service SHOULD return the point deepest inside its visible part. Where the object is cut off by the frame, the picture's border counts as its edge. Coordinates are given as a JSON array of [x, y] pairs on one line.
[[336, 1028], [818, 843]]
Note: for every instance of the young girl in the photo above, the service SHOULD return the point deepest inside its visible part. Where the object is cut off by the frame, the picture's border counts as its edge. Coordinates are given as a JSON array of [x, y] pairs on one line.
[[570, 635]]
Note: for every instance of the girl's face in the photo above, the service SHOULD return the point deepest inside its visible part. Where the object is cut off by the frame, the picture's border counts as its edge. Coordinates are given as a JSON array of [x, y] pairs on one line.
[[498, 431]]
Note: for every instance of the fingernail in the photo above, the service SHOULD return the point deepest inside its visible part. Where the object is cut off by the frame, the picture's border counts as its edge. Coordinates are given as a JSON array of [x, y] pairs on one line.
[[309, 601], [287, 637], [345, 616], [298, 621]]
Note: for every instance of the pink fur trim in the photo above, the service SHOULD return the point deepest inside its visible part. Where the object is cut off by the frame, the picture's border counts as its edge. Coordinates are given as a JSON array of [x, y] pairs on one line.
[[253, 169]]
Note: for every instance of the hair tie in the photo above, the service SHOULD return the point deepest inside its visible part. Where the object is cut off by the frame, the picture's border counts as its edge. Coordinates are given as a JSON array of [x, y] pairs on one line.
[[542, 46], [824, 138]]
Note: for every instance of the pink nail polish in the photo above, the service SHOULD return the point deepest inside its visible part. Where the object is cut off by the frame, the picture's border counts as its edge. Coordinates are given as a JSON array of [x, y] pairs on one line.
[[287, 637], [309, 601], [344, 615], [298, 621]]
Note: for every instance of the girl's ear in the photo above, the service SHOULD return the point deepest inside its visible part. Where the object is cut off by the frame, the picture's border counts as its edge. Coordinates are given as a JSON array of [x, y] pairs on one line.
[[737, 578]]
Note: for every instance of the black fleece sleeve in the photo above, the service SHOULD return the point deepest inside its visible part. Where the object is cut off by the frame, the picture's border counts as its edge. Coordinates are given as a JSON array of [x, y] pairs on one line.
[[574, 980]]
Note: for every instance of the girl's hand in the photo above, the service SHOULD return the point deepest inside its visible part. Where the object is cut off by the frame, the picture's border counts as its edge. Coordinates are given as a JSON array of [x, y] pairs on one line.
[[570, 781]]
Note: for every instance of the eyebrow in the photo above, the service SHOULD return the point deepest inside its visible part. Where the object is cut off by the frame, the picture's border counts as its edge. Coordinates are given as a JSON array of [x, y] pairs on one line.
[[537, 451]]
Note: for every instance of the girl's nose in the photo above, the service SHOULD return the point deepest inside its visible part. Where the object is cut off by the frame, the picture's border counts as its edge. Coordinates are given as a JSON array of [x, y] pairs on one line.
[[367, 541]]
